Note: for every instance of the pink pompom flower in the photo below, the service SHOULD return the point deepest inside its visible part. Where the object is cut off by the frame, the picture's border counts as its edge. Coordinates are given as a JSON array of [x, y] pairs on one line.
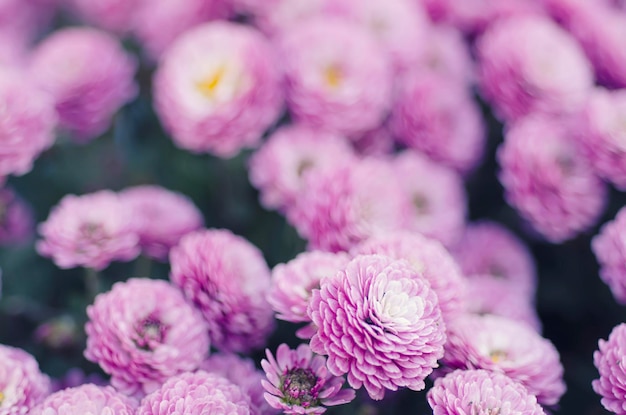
[[547, 71], [218, 88], [86, 399], [609, 248], [610, 359], [196, 393], [481, 392], [143, 332], [298, 382], [276, 17], [338, 77], [500, 344], [161, 216], [88, 74], [113, 15], [380, 323], [16, 219], [89, 231], [547, 180], [22, 383], [226, 277]]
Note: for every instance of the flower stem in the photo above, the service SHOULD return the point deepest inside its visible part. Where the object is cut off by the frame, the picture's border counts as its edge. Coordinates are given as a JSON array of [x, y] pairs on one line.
[[92, 282], [143, 267]]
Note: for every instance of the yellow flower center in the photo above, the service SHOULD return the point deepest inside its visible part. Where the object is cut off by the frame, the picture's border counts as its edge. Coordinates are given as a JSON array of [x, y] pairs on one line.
[[333, 76], [497, 356], [1, 397], [208, 85]]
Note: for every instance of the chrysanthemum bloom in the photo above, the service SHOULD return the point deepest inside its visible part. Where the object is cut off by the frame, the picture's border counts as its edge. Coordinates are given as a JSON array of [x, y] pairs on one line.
[[465, 392], [243, 373], [218, 88], [89, 231], [196, 393], [114, 15], [298, 382], [293, 282], [338, 77], [161, 216], [86, 399], [26, 19], [143, 332], [547, 180], [488, 248], [609, 248], [439, 118], [22, 385], [278, 168], [547, 71], [276, 17], [379, 322], [603, 134], [227, 278], [27, 123], [158, 23], [430, 261], [89, 75], [503, 345], [346, 204], [377, 142], [609, 359], [16, 219], [438, 196]]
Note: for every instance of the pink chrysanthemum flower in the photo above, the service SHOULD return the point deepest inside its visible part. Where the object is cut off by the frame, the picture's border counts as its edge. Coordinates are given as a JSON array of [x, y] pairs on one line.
[[338, 77], [243, 373], [465, 392], [547, 71], [438, 196], [387, 331], [26, 19], [227, 278], [439, 118], [488, 248], [298, 382], [114, 15], [89, 75], [609, 248], [430, 261], [27, 123], [278, 168], [143, 332], [547, 180], [609, 359], [89, 231], [346, 204], [218, 88], [16, 219], [293, 282], [22, 385], [503, 345], [377, 142], [196, 393], [86, 399], [276, 17], [161, 216]]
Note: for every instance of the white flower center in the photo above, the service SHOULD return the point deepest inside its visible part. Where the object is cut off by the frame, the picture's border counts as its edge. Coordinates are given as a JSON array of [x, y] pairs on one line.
[[397, 307]]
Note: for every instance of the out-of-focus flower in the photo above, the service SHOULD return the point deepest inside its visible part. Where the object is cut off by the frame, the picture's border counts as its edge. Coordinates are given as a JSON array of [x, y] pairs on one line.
[[86, 399], [503, 345], [438, 196], [25, 19], [609, 360], [243, 373], [76, 377], [89, 75], [547, 180], [276, 17], [196, 394], [113, 15], [377, 142], [293, 282], [609, 248], [430, 261], [22, 385], [58, 333], [379, 322], [16, 218], [439, 118], [489, 249], [161, 217], [298, 382], [278, 168], [547, 71], [346, 204], [227, 278], [143, 332], [27, 122], [481, 392], [338, 77], [89, 231], [218, 88]]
